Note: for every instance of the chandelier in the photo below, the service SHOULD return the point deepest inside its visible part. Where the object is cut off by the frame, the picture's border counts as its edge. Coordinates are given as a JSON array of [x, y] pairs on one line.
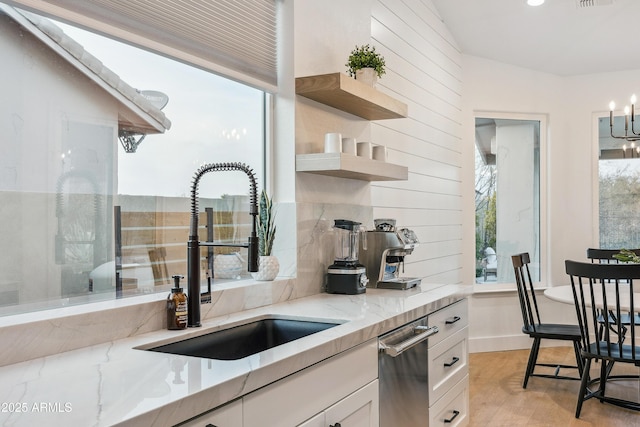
[[634, 136]]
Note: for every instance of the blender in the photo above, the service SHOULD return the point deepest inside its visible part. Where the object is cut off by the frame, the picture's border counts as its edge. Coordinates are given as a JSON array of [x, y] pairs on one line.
[[346, 275]]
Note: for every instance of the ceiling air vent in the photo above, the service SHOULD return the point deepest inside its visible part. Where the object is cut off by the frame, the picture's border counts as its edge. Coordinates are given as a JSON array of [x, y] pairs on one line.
[[592, 3]]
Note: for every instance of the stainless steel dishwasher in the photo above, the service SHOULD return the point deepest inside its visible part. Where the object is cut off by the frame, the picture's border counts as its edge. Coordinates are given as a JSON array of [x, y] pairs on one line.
[[403, 375]]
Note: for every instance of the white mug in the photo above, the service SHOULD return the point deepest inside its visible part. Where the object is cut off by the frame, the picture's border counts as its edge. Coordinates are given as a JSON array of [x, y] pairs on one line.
[[332, 143], [380, 153], [349, 146], [364, 149]]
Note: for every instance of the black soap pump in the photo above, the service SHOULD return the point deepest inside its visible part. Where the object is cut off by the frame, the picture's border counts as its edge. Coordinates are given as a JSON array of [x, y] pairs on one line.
[[177, 306]]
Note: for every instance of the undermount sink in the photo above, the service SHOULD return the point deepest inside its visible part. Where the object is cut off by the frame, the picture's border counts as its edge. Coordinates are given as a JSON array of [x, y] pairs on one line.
[[246, 339]]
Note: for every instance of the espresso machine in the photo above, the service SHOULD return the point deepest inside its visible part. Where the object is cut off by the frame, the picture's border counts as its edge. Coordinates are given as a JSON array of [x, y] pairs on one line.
[[384, 257], [346, 275]]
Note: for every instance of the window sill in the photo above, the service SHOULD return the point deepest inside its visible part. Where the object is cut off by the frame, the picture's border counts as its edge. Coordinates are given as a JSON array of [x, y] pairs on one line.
[[488, 291], [67, 309]]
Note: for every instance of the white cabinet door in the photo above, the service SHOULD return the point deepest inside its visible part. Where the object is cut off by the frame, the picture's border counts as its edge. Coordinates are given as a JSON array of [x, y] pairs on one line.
[[294, 399], [359, 409], [229, 415]]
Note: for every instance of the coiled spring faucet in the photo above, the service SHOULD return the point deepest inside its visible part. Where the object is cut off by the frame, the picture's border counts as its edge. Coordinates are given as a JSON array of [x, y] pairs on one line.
[[193, 246]]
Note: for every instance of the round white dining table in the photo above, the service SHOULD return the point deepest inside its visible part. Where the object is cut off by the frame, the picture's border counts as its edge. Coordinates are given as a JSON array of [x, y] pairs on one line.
[[564, 294]]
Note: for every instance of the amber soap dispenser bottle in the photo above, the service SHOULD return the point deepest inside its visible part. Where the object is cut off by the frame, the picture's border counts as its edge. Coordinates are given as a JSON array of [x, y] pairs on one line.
[[177, 306]]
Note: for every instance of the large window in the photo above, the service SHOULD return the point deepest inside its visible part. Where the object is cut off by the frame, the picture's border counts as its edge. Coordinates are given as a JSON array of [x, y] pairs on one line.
[[508, 182], [82, 219], [619, 187]]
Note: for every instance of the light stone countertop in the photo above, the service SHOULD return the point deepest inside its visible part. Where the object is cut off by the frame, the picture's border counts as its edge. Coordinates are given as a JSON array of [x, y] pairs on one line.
[[115, 383]]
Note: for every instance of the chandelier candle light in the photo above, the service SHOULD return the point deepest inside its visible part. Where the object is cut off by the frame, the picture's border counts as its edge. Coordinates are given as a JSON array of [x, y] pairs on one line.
[[634, 135]]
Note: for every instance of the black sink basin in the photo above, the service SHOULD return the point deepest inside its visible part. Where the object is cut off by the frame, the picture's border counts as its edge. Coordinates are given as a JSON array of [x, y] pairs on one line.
[[244, 340]]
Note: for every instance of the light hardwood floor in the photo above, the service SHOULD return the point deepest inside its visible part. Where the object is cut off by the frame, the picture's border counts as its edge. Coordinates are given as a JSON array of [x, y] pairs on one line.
[[498, 399]]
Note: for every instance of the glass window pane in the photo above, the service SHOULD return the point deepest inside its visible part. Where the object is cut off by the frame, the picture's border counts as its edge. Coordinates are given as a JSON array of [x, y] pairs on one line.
[[507, 197], [619, 186], [75, 206]]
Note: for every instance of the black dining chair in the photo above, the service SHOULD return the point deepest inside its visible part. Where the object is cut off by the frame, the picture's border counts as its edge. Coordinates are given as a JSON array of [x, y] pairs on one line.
[[606, 256], [536, 329], [612, 287]]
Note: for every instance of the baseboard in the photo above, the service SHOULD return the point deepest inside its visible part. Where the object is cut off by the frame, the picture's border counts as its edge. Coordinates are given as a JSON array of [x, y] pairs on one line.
[[506, 343]]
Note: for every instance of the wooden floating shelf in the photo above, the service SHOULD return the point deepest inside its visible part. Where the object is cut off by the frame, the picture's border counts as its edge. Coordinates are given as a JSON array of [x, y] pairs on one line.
[[350, 166], [347, 94]]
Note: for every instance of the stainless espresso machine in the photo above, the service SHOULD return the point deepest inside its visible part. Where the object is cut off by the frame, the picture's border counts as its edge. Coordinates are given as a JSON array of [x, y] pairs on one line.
[[384, 257], [346, 275]]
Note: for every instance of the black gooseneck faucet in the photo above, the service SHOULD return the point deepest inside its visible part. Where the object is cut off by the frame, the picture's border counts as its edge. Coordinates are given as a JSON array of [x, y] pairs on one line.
[[193, 246]]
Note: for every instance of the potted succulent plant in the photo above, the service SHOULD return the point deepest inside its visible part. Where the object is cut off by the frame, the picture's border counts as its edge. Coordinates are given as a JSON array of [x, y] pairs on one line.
[[366, 64], [268, 263]]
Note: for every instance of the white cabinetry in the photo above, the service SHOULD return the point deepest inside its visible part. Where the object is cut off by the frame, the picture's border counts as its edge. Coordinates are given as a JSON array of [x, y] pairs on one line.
[[360, 409], [343, 391], [229, 415], [448, 367], [340, 391], [343, 387]]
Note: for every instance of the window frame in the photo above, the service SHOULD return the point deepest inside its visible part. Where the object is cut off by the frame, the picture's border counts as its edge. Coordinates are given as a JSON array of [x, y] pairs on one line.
[[543, 196], [595, 176]]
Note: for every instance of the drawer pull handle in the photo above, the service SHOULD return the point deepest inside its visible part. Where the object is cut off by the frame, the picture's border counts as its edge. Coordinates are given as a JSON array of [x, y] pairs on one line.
[[450, 420], [335, 425], [451, 321], [453, 362]]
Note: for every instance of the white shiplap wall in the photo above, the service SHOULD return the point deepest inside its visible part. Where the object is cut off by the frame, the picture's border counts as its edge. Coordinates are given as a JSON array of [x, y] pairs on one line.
[[424, 71]]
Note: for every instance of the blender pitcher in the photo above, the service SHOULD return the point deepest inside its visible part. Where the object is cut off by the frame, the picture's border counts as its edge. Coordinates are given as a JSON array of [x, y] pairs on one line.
[[348, 235], [346, 275]]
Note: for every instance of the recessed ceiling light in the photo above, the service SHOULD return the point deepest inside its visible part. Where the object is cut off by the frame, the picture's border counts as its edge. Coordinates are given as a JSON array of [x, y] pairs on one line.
[[535, 2]]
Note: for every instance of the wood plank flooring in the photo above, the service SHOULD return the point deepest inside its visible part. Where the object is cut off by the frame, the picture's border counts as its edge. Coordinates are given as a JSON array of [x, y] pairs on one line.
[[498, 399]]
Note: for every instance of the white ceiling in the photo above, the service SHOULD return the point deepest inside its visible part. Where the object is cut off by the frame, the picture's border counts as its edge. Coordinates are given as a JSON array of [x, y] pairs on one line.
[[558, 37]]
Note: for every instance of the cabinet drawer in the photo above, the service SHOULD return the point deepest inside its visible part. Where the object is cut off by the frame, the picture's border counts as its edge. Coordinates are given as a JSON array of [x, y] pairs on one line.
[[453, 409], [449, 320], [296, 398], [448, 364]]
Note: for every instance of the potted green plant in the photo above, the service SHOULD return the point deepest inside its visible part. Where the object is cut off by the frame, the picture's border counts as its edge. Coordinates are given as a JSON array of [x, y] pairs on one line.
[[366, 64], [268, 263]]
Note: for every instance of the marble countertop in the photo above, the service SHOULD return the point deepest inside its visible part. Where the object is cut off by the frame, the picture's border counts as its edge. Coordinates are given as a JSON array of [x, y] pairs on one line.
[[116, 383]]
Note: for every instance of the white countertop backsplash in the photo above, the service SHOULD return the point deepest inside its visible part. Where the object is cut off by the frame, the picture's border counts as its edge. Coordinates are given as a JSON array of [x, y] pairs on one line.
[[111, 383]]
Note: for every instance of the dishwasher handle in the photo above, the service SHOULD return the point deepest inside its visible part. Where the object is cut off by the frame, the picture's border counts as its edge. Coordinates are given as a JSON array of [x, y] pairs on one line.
[[422, 333]]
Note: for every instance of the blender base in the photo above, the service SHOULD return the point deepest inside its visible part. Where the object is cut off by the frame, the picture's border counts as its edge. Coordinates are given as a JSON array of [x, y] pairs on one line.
[[347, 281]]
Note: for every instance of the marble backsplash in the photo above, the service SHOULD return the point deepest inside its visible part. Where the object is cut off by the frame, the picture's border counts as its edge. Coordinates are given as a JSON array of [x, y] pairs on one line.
[[304, 254], [315, 239]]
